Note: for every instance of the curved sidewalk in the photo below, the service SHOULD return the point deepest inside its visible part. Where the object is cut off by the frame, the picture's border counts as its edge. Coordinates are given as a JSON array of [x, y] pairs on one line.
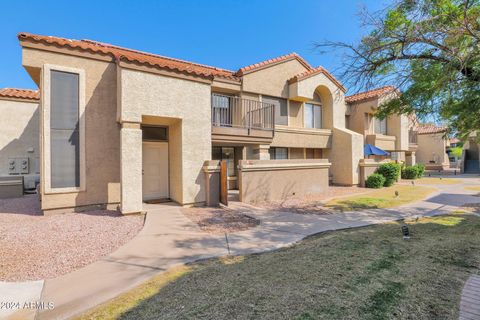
[[169, 238]]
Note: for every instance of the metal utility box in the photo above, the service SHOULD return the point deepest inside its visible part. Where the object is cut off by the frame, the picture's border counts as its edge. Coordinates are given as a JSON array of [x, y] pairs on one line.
[[11, 187], [18, 166]]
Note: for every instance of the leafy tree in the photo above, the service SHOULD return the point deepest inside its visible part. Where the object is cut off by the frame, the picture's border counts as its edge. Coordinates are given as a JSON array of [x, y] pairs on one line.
[[430, 50]]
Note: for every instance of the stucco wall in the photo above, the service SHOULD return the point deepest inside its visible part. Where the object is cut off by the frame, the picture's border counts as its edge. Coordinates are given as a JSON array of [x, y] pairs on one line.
[[19, 133], [345, 154], [332, 98], [102, 140], [272, 80], [188, 104], [431, 147], [264, 180], [302, 138]]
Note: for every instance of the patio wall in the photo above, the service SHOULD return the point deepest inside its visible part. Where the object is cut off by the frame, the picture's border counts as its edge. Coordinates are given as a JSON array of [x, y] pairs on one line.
[[367, 167], [265, 180]]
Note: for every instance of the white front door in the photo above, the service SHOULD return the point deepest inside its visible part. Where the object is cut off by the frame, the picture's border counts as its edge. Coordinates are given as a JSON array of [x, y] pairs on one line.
[[155, 170]]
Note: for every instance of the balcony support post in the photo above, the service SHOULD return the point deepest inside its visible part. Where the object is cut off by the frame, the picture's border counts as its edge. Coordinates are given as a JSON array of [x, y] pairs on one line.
[[260, 152]]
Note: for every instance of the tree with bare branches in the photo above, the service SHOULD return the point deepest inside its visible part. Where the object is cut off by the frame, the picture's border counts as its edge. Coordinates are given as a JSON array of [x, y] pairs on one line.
[[430, 50]]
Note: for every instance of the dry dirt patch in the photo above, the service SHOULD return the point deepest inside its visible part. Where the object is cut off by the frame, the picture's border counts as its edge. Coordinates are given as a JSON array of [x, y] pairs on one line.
[[313, 204], [220, 220], [33, 246]]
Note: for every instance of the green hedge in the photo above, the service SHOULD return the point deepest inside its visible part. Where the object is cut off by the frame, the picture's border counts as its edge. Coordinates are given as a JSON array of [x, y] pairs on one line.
[[409, 172], [391, 172], [375, 181], [420, 170], [413, 172]]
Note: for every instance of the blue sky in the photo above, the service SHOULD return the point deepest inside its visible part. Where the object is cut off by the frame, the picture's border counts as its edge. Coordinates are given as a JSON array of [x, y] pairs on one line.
[[228, 34]]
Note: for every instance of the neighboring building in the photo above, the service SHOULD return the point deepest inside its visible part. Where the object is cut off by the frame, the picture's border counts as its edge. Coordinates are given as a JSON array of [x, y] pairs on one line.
[[471, 154], [432, 147], [393, 134], [455, 142], [19, 134]]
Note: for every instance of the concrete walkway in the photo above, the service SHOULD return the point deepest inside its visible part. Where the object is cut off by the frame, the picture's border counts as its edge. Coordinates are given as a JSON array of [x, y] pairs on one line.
[[470, 303], [169, 239]]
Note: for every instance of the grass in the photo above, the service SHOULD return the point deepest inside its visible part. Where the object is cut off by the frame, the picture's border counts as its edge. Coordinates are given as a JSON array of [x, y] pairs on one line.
[[363, 273], [435, 180], [381, 198]]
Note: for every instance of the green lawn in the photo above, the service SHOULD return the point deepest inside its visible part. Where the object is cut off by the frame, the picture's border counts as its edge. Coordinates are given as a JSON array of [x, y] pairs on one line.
[[381, 198], [363, 273]]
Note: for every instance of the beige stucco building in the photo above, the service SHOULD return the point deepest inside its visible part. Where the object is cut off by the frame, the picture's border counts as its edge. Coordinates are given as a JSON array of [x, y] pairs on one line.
[[119, 127], [395, 134], [19, 139], [432, 147]]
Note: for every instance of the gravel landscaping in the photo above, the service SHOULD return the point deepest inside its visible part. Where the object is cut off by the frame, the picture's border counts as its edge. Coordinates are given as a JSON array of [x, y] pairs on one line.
[[312, 204], [220, 220], [33, 246]]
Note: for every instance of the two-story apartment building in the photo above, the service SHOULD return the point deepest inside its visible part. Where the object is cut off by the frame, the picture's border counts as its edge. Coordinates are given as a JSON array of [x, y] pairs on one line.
[[120, 126], [396, 134]]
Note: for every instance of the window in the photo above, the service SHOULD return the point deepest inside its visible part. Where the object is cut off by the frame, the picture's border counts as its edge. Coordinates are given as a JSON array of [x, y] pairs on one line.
[[221, 110], [154, 133], [312, 116], [64, 130], [228, 154], [281, 109], [381, 126], [278, 153]]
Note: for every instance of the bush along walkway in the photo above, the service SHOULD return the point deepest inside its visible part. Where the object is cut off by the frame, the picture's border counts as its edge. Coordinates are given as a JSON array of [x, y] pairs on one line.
[[170, 239]]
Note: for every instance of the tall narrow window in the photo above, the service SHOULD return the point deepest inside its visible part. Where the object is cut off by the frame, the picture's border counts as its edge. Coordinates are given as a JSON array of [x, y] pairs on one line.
[[281, 109], [64, 130], [381, 126], [312, 116]]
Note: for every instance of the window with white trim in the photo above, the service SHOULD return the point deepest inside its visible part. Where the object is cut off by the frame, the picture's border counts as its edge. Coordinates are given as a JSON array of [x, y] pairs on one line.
[[312, 116], [64, 130], [381, 126]]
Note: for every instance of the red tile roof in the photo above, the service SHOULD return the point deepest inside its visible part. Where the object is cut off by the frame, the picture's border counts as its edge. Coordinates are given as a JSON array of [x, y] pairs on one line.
[[14, 93], [430, 128], [371, 94], [265, 63], [312, 72], [129, 55]]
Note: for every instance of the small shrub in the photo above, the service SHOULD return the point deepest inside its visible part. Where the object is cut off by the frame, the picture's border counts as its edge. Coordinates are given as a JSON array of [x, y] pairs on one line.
[[375, 181], [391, 172], [410, 172], [420, 170]]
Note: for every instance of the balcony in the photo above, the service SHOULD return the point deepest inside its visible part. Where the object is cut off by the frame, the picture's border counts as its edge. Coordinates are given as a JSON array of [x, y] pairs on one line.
[[238, 120], [381, 141]]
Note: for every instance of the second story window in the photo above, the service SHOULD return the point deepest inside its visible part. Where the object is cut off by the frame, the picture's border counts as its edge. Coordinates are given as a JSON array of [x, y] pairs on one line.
[[381, 126], [312, 116], [281, 109]]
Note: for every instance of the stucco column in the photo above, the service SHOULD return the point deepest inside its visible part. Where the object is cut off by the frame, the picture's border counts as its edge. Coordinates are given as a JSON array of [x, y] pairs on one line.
[[260, 152], [131, 168], [410, 159]]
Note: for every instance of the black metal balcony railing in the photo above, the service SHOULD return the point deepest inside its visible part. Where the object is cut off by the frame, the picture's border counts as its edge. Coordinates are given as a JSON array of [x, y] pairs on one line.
[[412, 136], [235, 112]]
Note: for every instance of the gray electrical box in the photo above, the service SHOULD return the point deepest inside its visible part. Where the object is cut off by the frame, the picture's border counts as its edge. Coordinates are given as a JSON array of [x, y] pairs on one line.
[[18, 166]]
